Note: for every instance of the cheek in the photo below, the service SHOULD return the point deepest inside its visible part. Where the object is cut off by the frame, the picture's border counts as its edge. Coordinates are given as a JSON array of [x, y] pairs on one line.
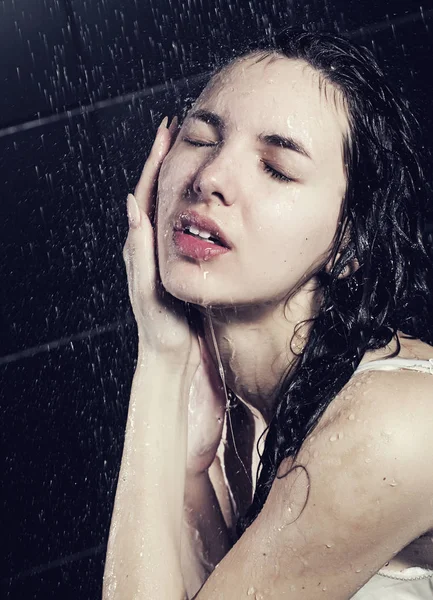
[[299, 231], [175, 177]]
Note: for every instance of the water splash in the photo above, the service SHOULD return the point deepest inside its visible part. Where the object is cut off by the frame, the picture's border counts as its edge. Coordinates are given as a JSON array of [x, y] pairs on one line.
[[223, 379]]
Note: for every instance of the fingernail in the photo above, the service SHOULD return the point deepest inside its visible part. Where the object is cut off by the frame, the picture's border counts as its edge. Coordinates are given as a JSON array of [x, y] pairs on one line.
[[173, 125], [133, 211], [163, 124]]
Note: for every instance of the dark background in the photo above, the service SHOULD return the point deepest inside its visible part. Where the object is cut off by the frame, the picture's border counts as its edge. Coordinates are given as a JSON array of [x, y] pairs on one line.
[[84, 85]]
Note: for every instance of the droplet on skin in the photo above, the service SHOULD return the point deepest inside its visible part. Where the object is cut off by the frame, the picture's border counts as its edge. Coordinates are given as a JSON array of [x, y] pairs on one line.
[[351, 417], [205, 273], [393, 483], [251, 591], [329, 545], [333, 438]]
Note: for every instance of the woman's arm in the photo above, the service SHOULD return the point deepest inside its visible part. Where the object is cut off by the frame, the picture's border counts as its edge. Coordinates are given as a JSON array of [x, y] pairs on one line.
[[154, 547], [173, 429], [206, 538], [143, 553], [362, 494]]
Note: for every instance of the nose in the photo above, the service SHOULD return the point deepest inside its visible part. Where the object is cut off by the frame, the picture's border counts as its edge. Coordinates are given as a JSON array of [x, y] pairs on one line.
[[215, 179]]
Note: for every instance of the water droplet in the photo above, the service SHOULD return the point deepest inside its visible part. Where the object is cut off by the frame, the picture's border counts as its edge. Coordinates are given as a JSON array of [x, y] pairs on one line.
[[393, 483], [329, 545], [333, 438], [251, 591], [351, 417]]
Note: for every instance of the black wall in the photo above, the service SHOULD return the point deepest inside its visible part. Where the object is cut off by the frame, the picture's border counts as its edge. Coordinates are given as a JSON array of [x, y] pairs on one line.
[[84, 85]]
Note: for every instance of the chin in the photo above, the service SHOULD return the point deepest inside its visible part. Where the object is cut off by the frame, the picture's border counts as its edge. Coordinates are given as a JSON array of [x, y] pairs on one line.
[[191, 288]]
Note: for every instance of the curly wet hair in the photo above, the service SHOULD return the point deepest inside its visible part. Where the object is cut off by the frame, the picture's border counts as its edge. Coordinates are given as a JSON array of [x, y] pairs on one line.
[[381, 228]]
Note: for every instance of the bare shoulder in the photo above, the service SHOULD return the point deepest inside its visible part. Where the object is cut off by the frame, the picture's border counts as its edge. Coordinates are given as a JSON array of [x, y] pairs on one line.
[[359, 491], [399, 400], [382, 422], [391, 392]]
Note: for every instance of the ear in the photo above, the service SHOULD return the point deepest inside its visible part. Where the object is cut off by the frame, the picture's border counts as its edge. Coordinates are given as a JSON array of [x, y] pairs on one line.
[[348, 269], [352, 266]]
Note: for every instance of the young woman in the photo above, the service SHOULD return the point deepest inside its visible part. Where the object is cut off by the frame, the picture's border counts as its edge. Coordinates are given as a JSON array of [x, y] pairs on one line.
[[290, 273]]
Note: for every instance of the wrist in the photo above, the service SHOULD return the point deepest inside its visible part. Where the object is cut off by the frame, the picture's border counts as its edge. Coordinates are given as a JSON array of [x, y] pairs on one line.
[[149, 358]]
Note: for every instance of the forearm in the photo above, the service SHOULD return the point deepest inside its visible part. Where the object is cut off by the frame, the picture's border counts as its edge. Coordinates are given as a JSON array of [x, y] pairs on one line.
[[143, 553], [205, 536]]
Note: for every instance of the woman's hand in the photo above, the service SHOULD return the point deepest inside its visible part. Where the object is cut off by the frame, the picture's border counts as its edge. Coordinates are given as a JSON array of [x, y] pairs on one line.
[[161, 321], [206, 410], [163, 328]]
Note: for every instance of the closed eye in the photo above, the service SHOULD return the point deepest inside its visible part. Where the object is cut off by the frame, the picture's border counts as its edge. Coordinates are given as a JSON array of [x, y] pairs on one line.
[[270, 170], [276, 174], [199, 144]]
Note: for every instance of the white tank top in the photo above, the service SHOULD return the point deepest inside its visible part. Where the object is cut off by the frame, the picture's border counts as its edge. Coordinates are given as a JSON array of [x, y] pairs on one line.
[[415, 583]]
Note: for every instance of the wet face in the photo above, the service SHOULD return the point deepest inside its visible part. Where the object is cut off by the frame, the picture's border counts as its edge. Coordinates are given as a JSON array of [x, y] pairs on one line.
[[261, 155]]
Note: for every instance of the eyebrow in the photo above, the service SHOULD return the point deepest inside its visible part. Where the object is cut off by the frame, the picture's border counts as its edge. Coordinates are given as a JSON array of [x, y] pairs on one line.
[[282, 141], [270, 139], [208, 117]]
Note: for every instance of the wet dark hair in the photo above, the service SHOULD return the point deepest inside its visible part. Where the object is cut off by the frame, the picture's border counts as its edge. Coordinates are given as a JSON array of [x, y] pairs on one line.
[[384, 210]]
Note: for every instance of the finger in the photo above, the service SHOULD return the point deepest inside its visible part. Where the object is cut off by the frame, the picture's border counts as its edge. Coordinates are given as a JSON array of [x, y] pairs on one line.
[[139, 257], [145, 190], [146, 184], [134, 217], [173, 129]]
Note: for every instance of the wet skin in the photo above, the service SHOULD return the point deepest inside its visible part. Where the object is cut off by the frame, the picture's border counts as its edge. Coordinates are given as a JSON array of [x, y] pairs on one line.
[[279, 207]]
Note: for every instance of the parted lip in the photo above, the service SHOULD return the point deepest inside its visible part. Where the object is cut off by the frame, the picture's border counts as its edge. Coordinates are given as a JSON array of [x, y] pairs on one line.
[[190, 217]]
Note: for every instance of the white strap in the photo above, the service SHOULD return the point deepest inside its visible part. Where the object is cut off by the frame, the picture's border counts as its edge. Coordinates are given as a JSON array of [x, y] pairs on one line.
[[391, 364]]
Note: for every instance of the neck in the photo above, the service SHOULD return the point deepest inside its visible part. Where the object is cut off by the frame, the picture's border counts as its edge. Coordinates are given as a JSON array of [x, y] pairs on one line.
[[260, 346]]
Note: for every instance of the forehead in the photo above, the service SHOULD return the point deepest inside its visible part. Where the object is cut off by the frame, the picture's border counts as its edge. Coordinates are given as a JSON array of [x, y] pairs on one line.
[[286, 95]]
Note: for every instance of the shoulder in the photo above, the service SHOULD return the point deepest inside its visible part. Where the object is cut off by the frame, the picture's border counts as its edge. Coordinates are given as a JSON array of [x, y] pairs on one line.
[[363, 476], [401, 398], [359, 491], [372, 449], [386, 417]]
